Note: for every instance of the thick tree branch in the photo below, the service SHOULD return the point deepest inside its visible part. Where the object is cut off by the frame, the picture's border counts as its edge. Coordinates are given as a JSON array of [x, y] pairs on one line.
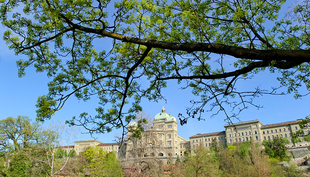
[[238, 52]]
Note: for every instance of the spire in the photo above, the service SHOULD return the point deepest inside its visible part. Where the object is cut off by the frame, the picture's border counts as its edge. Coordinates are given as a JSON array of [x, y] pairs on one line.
[[163, 109]]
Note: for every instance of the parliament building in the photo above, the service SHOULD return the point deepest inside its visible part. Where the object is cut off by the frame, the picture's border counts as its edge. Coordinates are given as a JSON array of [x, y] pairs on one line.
[[161, 140]]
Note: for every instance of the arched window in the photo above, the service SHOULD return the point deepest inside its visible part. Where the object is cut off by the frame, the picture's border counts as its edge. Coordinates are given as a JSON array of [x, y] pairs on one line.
[[255, 132], [160, 154]]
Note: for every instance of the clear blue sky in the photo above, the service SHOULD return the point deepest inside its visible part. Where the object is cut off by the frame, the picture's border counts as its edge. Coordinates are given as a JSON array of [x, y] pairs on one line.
[[18, 97]]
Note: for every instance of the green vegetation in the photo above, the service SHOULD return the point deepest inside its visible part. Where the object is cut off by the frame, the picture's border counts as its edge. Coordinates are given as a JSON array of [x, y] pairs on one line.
[[46, 159], [101, 163], [27, 149], [276, 148], [242, 160], [207, 46], [17, 133]]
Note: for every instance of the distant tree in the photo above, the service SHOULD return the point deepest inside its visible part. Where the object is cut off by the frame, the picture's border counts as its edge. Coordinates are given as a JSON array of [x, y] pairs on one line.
[[276, 148], [102, 163], [214, 145], [245, 159], [18, 133], [202, 163]]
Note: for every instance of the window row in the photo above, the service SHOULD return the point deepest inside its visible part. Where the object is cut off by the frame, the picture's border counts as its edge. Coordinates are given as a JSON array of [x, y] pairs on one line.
[[243, 139], [276, 130], [277, 136], [210, 139], [243, 134]]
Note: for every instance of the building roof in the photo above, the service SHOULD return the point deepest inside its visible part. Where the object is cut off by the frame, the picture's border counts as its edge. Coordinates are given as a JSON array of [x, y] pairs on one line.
[[208, 134], [164, 116], [108, 144], [72, 146], [242, 123], [280, 124], [87, 141]]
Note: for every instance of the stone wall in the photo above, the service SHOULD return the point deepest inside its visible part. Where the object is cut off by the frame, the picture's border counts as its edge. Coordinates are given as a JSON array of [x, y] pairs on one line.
[[299, 152]]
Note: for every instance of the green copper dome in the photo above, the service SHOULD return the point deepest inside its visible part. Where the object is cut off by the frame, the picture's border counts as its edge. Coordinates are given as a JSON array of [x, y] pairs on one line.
[[164, 116], [133, 124]]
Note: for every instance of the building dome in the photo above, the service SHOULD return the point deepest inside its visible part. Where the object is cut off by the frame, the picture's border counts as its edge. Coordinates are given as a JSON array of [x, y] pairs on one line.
[[133, 124], [164, 116]]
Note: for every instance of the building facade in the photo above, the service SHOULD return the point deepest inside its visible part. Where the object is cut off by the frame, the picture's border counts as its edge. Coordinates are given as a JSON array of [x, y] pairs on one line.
[[255, 130], [161, 140]]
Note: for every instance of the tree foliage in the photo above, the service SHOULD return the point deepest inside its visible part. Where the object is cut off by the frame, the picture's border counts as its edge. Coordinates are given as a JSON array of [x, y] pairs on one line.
[[206, 45], [276, 148], [18, 133], [245, 159], [102, 163]]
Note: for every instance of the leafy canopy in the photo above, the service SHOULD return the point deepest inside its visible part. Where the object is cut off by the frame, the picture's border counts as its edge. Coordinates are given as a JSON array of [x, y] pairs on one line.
[[105, 49]]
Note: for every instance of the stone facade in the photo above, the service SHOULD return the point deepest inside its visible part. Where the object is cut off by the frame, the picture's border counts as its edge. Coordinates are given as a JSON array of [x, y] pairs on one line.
[[161, 140], [245, 131]]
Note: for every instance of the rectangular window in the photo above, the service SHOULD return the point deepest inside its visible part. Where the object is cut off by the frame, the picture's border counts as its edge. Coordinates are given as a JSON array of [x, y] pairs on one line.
[[169, 136], [169, 143], [169, 126]]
